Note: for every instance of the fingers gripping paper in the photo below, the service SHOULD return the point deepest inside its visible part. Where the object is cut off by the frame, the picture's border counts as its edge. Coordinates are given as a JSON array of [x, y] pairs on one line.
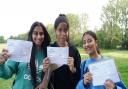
[[58, 55], [103, 70], [20, 50]]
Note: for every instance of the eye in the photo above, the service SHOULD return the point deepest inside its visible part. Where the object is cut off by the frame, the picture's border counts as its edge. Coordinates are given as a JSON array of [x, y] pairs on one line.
[[41, 33], [60, 30], [35, 33], [65, 30], [84, 41], [89, 40]]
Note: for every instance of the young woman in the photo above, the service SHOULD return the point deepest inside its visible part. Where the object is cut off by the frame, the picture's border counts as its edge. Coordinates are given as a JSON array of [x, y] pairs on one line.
[[28, 75], [91, 46], [66, 76]]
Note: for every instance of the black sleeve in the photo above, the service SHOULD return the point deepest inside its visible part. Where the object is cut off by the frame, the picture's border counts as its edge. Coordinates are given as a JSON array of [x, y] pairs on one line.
[[75, 77]]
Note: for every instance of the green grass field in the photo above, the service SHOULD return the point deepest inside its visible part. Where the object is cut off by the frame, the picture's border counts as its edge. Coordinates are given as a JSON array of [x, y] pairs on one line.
[[120, 56], [2, 46]]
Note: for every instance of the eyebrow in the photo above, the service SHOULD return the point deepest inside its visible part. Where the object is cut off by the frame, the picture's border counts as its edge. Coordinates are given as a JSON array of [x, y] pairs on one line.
[[38, 32]]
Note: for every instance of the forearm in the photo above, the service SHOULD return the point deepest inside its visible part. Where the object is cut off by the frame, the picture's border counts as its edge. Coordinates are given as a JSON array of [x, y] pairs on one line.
[[6, 71]]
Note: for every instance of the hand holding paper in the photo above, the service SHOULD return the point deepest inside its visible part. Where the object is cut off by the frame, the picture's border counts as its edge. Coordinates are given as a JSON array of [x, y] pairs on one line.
[[58, 55], [4, 56], [70, 63], [20, 50], [103, 70]]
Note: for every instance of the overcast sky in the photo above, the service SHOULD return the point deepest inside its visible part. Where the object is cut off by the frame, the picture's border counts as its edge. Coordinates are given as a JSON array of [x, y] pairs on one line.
[[16, 16]]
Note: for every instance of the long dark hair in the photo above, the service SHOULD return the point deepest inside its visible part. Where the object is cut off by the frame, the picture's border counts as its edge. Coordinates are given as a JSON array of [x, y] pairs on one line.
[[62, 18], [95, 38], [44, 45]]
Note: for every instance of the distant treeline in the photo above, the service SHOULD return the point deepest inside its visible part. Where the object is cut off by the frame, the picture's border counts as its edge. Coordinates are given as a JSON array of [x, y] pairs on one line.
[[112, 34]]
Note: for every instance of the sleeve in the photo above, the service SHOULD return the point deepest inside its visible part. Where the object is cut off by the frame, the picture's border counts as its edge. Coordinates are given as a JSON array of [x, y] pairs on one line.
[[76, 76], [7, 69], [121, 85], [81, 85], [118, 87], [82, 68]]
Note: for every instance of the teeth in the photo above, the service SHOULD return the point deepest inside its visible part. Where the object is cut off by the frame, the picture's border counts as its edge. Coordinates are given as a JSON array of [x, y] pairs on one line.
[[87, 48], [38, 41]]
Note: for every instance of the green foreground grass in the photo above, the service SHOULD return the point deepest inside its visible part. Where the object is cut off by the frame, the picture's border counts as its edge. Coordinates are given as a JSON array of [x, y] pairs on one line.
[[120, 56]]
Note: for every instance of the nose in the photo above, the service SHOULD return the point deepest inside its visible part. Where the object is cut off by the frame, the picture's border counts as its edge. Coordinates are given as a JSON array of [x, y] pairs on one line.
[[64, 33], [85, 45], [39, 36]]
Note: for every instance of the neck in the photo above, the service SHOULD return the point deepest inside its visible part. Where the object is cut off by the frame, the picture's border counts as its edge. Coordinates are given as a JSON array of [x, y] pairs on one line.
[[38, 47], [62, 44], [94, 55]]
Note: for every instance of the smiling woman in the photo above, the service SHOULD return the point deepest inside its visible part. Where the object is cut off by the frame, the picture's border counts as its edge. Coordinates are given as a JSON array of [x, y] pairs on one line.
[[91, 47], [28, 75]]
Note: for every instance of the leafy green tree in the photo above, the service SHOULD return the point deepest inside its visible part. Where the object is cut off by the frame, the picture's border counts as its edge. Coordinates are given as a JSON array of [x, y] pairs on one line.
[[123, 21], [51, 31], [78, 25], [112, 30], [2, 40], [23, 36]]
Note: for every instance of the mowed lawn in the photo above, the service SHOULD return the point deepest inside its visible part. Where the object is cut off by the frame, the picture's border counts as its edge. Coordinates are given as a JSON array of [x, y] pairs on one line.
[[2, 46], [120, 56]]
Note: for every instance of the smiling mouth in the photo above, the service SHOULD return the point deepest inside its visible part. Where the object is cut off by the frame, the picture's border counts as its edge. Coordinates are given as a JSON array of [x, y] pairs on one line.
[[38, 41], [88, 50], [63, 38]]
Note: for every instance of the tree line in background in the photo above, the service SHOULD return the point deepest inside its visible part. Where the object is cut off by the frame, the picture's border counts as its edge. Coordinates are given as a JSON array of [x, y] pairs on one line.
[[112, 34], [114, 31]]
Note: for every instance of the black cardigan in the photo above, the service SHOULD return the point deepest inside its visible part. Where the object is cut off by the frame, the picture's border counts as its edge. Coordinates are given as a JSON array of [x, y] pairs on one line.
[[63, 78]]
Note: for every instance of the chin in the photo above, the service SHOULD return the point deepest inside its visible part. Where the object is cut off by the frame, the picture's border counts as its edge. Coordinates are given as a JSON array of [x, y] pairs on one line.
[[63, 40], [38, 45], [90, 52]]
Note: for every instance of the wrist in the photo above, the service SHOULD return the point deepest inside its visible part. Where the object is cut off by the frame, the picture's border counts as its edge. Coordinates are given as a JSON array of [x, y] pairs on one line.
[[85, 84], [115, 87]]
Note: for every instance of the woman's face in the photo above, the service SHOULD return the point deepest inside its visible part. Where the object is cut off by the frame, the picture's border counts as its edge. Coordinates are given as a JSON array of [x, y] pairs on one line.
[[89, 44], [62, 32], [38, 36]]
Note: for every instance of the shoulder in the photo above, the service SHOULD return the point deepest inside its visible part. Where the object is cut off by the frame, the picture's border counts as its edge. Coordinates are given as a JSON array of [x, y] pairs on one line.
[[84, 62], [9, 61], [106, 58], [54, 44], [72, 46]]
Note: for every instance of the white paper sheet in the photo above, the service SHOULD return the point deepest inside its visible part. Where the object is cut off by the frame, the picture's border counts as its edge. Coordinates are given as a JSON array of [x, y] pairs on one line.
[[103, 70], [58, 55], [20, 50]]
